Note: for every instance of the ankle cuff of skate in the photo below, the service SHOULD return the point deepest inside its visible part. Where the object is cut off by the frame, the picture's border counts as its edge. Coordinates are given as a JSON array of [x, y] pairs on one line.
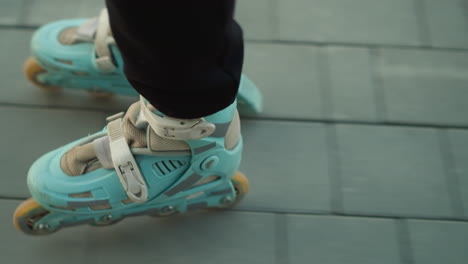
[[174, 128]]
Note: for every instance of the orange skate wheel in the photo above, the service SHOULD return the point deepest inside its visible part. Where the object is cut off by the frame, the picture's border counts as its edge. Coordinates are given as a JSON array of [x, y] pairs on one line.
[[241, 186], [32, 69], [27, 214]]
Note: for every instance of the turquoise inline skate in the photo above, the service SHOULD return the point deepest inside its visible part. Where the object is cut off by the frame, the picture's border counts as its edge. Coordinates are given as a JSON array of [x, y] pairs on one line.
[[82, 54], [141, 163]]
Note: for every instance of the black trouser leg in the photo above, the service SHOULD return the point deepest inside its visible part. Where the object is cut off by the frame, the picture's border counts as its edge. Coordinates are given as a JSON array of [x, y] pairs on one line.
[[184, 57]]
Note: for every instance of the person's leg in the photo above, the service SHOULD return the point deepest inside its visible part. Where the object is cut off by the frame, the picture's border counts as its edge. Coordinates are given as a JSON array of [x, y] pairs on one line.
[[184, 57]]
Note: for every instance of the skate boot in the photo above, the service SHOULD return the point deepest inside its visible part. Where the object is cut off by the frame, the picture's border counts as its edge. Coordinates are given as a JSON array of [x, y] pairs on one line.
[[82, 54], [141, 163]]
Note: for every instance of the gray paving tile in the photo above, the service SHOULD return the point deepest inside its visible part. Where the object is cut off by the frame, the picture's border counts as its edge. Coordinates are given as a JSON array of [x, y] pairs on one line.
[[352, 91], [287, 165], [336, 240], [439, 242], [90, 8], [15, 89], [425, 86], [67, 246], [360, 21], [459, 151], [217, 237], [448, 22], [288, 78], [33, 132], [256, 18], [208, 237], [394, 171], [10, 11], [44, 11]]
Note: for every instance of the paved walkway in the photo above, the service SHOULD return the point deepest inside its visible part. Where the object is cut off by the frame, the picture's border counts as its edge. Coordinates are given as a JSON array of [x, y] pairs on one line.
[[361, 154]]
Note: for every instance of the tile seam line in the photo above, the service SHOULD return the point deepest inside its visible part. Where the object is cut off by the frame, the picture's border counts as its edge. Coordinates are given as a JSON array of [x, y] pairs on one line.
[[281, 243], [24, 12], [348, 215], [420, 11], [404, 241], [355, 45], [301, 42], [357, 122], [377, 80], [57, 107], [250, 118], [451, 178], [335, 173], [383, 217]]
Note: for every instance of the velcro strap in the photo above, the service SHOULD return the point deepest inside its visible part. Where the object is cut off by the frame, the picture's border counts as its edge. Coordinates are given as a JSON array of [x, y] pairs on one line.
[[125, 164]]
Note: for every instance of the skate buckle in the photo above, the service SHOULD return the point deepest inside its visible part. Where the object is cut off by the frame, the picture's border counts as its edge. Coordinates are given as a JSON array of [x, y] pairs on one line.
[[178, 129], [125, 165], [134, 188]]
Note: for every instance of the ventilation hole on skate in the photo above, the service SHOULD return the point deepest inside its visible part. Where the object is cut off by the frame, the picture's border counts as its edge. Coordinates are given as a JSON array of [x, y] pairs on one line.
[[206, 180], [81, 195], [127, 201], [79, 73], [195, 195], [63, 207], [100, 207], [69, 62], [164, 167]]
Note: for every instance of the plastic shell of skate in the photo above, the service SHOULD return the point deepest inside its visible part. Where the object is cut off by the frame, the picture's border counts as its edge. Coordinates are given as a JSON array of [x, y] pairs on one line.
[[54, 64], [176, 182]]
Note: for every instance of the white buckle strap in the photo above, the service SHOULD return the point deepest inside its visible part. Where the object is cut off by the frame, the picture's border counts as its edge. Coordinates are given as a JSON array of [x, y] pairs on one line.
[[125, 164], [177, 129], [103, 152], [101, 44]]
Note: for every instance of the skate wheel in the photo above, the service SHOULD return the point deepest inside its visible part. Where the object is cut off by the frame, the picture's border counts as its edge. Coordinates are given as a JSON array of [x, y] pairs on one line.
[[100, 95], [241, 186], [32, 69], [27, 214], [165, 212]]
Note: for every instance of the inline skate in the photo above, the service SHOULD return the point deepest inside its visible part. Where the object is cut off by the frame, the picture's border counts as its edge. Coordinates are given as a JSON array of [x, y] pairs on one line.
[[141, 163], [82, 54]]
